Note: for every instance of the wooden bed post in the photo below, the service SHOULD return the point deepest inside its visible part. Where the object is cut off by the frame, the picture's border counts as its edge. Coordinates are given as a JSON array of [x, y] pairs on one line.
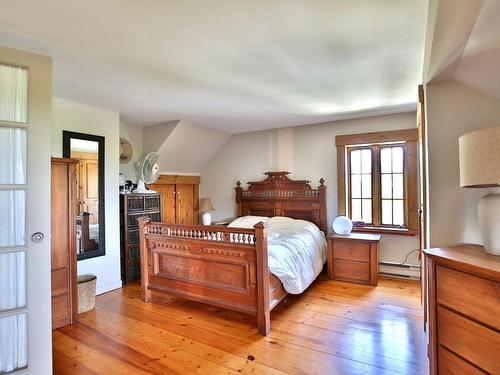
[[145, 292], [322, 213], [263, 308], [238, 190]]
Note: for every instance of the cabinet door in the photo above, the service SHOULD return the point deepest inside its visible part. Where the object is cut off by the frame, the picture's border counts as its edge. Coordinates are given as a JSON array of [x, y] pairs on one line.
[[167, 201], [185, 204], [63, 257], [91, 185]]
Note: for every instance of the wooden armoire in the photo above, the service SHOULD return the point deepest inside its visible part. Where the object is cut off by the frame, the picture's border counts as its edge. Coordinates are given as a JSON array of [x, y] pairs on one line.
[[63, 242], [87, 193], [180, 196]]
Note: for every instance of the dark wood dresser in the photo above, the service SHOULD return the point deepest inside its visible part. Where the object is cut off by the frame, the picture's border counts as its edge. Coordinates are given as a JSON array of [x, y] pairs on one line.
[[353, 257], [464, 310], [132, 207]]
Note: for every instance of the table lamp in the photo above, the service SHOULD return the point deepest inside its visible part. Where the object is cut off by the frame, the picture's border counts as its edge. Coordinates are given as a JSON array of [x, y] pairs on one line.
[[205, 208], [480, 168]]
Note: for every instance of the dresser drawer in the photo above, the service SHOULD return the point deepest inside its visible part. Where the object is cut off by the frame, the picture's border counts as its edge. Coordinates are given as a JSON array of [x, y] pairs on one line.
[[133, 236], [348, 271], [450, 364], [471, 295], [134, 253], [351, 251], [474, 342], [134, 271]]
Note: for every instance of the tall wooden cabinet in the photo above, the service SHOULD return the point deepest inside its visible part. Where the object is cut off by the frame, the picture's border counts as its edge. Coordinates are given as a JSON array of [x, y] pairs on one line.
[[180, 196], [87, 194], [63, 242], [132, 207]]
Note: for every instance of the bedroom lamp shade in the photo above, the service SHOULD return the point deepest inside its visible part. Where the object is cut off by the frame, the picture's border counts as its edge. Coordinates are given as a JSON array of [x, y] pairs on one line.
[[206, 205], [480, 158], [480, 168], [205, 208]]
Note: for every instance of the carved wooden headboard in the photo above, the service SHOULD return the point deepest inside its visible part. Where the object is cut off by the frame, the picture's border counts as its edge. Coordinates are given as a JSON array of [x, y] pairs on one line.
[[278, 195]]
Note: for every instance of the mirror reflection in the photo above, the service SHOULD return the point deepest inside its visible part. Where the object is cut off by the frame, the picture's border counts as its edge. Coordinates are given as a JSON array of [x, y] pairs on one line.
[[87, 194], [89, 151]]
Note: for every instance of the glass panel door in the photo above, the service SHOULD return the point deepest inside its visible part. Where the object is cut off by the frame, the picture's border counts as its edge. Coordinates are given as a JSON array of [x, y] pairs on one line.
[[13, 251]]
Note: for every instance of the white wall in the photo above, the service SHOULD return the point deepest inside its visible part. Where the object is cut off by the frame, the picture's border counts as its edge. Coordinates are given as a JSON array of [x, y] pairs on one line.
[[84, 119], [134, 135], [155, 135], [308, 152], [453, 110], [184, 148]]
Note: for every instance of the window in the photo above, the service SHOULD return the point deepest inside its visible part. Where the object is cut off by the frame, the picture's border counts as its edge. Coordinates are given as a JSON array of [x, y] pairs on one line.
[[377, 179], [13, 93]]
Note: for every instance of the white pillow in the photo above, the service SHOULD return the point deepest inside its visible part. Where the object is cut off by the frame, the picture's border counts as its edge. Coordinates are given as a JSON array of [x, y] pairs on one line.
[[247, 221]]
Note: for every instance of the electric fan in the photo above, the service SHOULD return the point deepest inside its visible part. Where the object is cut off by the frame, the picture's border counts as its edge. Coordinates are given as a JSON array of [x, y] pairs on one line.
[[148, 172]]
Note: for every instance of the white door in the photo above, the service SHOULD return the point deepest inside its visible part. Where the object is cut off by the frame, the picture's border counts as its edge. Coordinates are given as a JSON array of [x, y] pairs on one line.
[[25, 147]]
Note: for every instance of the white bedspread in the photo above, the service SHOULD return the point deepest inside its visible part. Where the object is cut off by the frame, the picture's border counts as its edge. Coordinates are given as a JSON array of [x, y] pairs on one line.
[[297, 249]]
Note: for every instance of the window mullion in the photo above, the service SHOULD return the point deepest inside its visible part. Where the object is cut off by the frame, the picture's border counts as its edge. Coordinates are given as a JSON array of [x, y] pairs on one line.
[[349, 184], [405, 184], [376, 197]]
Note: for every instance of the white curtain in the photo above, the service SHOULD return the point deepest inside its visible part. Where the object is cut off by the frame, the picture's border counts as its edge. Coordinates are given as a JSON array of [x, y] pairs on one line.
[[13, 343], [12, 155], [12, 218], [12, 280], [13, 93], [13, 322]]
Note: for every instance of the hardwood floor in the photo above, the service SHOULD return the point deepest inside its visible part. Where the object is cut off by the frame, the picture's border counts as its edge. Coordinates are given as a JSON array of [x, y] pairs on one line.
[[332, 328]]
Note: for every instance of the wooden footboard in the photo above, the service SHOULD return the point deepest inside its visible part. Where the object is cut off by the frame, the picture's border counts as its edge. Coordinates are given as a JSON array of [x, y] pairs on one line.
[[225, 267]]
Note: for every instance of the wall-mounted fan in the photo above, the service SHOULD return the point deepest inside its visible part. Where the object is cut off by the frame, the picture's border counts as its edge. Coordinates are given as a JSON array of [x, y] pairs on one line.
[[149, 172]]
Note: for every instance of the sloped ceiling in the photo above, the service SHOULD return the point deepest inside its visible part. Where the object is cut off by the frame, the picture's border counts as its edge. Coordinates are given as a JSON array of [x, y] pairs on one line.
[[463, 43], [183, 147], [479, 67]]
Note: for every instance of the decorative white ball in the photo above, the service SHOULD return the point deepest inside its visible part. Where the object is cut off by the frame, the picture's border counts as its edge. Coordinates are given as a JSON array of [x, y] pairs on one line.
[[342, 225]]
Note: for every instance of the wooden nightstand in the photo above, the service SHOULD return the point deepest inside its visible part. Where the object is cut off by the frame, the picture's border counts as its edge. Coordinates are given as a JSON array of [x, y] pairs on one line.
[[222, 223], [353, 257]]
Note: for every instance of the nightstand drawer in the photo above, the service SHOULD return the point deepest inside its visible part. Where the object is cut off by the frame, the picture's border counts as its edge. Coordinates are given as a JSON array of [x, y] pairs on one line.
[[471, 341], [353, 258], [352, 250], [351, 271], [471, 295]]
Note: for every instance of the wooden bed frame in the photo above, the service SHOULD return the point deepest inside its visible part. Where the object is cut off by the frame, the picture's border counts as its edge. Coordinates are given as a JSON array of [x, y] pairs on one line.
[[228, 267]]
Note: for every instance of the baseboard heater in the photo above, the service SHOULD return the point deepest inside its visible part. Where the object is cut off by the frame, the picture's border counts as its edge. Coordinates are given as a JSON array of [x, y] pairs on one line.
[[404, 271]]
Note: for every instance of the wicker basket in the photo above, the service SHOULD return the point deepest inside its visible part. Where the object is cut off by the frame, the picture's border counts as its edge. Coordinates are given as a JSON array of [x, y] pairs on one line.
[[86, 293]]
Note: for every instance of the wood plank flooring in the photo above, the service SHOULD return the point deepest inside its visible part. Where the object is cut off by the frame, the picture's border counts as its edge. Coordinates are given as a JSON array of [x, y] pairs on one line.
[[332, 328]]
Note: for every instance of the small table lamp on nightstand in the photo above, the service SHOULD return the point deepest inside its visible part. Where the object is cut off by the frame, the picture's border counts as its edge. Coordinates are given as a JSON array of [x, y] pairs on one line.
[[480, 168], [206, 207]]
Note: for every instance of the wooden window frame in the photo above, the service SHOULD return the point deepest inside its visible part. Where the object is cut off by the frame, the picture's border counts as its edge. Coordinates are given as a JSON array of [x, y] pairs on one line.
[[349, 198], [375, 141]]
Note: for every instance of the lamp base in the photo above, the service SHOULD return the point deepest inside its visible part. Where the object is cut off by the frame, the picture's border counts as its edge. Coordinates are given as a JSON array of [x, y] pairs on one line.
[[206, 218], [489, 220]]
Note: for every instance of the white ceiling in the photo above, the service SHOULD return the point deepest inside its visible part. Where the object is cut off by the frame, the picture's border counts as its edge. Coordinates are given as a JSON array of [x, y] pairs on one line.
[[231, 65]]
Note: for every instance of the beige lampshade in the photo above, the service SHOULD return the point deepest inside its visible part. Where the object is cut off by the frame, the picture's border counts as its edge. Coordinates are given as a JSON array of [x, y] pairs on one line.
[[480, 158], [206, 205]]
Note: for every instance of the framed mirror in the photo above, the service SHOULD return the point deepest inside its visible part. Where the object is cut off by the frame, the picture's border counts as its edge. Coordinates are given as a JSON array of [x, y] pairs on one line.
[[89, 150]]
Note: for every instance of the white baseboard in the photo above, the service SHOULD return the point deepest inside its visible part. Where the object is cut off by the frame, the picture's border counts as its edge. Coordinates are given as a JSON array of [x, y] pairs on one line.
[[397, 270], [108, 287]]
